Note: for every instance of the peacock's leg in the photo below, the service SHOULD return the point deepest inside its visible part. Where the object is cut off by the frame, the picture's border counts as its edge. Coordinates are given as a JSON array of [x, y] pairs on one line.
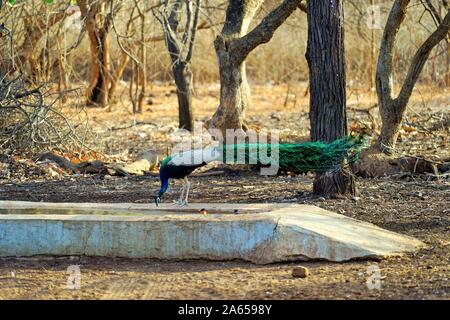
[[188, 187], [183, 190], [180, 200], [183, 200]]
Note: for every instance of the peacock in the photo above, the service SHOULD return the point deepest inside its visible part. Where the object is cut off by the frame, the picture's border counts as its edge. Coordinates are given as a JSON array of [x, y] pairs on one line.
[[294, 157]]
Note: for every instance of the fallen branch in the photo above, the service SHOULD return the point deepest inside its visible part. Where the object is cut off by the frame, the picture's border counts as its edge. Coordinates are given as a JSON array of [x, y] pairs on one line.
[[138, 123], [145, 162]]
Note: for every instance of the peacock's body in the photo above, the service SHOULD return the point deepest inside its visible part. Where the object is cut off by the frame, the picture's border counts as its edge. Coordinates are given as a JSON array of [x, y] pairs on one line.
[[294, 157]]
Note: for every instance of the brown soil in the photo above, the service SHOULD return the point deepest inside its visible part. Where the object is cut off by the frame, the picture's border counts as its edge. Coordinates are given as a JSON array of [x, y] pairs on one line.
[[417, 208]]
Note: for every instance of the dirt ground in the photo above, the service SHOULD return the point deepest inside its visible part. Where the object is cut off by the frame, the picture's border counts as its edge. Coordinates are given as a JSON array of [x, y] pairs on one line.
[[410, 207], [416, 205]]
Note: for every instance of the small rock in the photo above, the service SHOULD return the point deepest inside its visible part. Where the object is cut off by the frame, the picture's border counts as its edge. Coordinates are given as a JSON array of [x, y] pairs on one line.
[[203, 211], [275, 116], [300, 272], [356, 199]]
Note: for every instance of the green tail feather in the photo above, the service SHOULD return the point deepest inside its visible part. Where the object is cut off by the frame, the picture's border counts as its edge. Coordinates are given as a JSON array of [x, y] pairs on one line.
[[298, 157]]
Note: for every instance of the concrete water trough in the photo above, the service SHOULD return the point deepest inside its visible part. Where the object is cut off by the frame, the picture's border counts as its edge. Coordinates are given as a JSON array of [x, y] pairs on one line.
[[260, 233]]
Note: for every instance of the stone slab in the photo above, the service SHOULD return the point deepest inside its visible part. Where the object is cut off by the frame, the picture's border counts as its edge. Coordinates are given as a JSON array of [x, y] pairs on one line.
[[261, 233]]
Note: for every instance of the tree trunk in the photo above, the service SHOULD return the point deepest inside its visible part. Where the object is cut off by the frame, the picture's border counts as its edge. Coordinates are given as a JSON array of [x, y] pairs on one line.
[[180, 52], [35, 28], [117, 75], [97, 26], [391, 121], [99, 79], [447, 69], [61, 62], [372, 50], [234, 89], [123, 61], [326, 59], [27, 54], [183, 80], [233, 46], [142, 66]]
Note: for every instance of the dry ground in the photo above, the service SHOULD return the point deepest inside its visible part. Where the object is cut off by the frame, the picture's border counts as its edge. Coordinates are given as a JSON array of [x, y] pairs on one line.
[[411, 207], [412, 204]]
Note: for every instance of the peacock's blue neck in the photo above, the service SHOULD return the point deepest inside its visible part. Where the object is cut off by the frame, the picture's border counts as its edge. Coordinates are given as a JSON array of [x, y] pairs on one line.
[[164, 181]]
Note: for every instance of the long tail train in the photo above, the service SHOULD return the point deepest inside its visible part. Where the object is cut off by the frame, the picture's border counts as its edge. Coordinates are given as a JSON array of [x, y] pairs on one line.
[[294, 157]]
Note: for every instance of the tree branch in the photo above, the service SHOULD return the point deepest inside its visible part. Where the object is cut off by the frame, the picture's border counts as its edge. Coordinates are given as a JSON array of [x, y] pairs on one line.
[[202, 26], [170, 26], [263, 32], [189, 20], [433, 11], [421, 57], [303, 7], [193, 31]]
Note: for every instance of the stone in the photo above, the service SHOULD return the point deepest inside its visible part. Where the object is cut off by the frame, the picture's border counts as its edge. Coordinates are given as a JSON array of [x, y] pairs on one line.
[[145, 162], [262, 233], [151, 156], [300, 272]]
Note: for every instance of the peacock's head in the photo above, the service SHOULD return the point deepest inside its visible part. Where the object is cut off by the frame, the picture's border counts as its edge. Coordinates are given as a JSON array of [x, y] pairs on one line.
[[164, 186], [157, 200]]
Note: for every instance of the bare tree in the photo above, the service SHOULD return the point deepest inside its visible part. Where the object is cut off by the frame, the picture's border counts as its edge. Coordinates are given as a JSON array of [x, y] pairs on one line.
[[29, 120], [232, 46], [326, 59], [180, 49], [138, 76], [392, 108], [141, 77], [33, 59], [124, 58], [98, 24]]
